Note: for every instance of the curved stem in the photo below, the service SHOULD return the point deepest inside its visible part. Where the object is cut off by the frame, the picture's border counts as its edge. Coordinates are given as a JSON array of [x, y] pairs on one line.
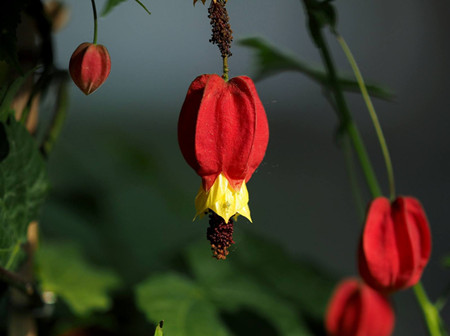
[[373, 114], [94, 9], [346, 120], [430, 313]]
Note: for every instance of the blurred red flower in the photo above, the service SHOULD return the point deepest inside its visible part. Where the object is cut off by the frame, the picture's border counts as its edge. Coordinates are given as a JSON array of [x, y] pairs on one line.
[[356, 309], [395, 245]]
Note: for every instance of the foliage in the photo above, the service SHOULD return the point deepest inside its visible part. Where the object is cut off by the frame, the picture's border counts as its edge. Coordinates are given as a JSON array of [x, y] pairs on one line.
[[260, 279], [271, 61], [23, 186], [111, 4], [64, 271]]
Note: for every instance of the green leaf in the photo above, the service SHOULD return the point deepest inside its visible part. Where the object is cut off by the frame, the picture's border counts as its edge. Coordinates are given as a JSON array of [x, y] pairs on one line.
[[271, 61], [23, 187], [7, 95], [110, 5], [446, 261], [302, 283], [159, 329], [320, 14], [235, 287], [143, 6], [64, 271], [182, 304]]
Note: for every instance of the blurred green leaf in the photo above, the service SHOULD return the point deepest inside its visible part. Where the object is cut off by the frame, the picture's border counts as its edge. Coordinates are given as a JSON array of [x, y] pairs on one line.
[[159, 329], [271, 61], [110, 5], [182, 304], [64, 271], [300, 282], [7, 94], [143, 6], [320, 14], [446, 261], [23, 187], [234, 288]]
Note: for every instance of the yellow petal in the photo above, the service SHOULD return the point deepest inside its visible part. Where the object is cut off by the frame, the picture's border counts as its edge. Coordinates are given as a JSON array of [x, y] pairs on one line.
[[223, 200]]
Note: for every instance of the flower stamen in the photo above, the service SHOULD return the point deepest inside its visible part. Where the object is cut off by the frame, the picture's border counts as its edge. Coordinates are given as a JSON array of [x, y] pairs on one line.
[[220, 235]]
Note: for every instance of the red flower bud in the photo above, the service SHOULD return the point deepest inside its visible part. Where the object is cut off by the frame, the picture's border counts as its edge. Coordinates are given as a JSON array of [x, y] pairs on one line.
[[395, 245], [355, 309], [89, 66], [223, 132]]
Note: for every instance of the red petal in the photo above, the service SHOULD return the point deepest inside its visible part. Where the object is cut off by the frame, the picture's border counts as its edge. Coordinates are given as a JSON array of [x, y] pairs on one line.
[[355, 309], [413, 240], [223, 129], [378, 257], [89, 66]]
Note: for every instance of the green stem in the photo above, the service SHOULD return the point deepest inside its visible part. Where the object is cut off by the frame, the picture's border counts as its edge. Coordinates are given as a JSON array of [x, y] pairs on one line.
[[346, 120], [58, 119], [430, 313], [373, 114], [353, 178], [94, 9], [225, 68]]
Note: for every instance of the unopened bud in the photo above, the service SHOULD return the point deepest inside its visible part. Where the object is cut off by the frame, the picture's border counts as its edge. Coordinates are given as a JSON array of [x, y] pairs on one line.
[[89, 66]]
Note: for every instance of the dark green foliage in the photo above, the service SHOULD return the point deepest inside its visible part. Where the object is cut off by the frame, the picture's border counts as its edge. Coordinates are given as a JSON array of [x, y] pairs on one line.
[[258, 280], [320, 14], [23, 187], [111, 4], [271, 61]]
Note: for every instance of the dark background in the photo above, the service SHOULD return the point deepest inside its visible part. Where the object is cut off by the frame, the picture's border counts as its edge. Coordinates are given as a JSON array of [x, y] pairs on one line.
[[300, 196]]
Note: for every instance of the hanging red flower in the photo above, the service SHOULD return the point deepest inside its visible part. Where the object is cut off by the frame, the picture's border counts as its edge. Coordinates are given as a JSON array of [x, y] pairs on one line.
[[89, 66], [395, 245], [223, 135], [355, 309]]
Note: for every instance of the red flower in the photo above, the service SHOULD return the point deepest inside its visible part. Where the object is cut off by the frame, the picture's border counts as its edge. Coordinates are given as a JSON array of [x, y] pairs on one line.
[[395, 245], [223, 130], [355, 309], [223, 135], [89, 66]]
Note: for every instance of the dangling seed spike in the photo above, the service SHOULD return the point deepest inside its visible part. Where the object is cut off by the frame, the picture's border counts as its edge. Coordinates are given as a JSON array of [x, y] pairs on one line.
[[221, 30], [220, 235]]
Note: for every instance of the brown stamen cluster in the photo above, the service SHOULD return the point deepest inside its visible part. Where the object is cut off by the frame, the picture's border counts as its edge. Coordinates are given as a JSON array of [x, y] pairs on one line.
[[220, 235], [221, 30]]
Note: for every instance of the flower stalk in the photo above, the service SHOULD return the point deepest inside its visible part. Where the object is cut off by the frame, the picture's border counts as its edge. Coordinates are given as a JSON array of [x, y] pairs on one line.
[[347, 123], [94, 10], [372, 112]]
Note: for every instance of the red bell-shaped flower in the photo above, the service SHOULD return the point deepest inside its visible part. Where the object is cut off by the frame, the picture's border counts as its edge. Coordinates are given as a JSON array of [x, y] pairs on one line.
[[223, 135], [395, 245], [89, 66], [355, 309]]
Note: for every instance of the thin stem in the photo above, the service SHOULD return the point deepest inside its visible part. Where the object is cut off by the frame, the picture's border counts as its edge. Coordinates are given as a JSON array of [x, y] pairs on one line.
[[225, 68], [373, 114], [430, 313], [346, 120], [94, 9], [58, 119], [353, 178]]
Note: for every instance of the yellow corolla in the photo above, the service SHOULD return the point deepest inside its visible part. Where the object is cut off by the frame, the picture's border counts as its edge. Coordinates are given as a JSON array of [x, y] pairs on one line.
[[223, 200]]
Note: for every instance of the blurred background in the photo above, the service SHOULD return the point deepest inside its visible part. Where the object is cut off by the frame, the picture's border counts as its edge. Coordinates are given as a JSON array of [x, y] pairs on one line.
[[122, 191]]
